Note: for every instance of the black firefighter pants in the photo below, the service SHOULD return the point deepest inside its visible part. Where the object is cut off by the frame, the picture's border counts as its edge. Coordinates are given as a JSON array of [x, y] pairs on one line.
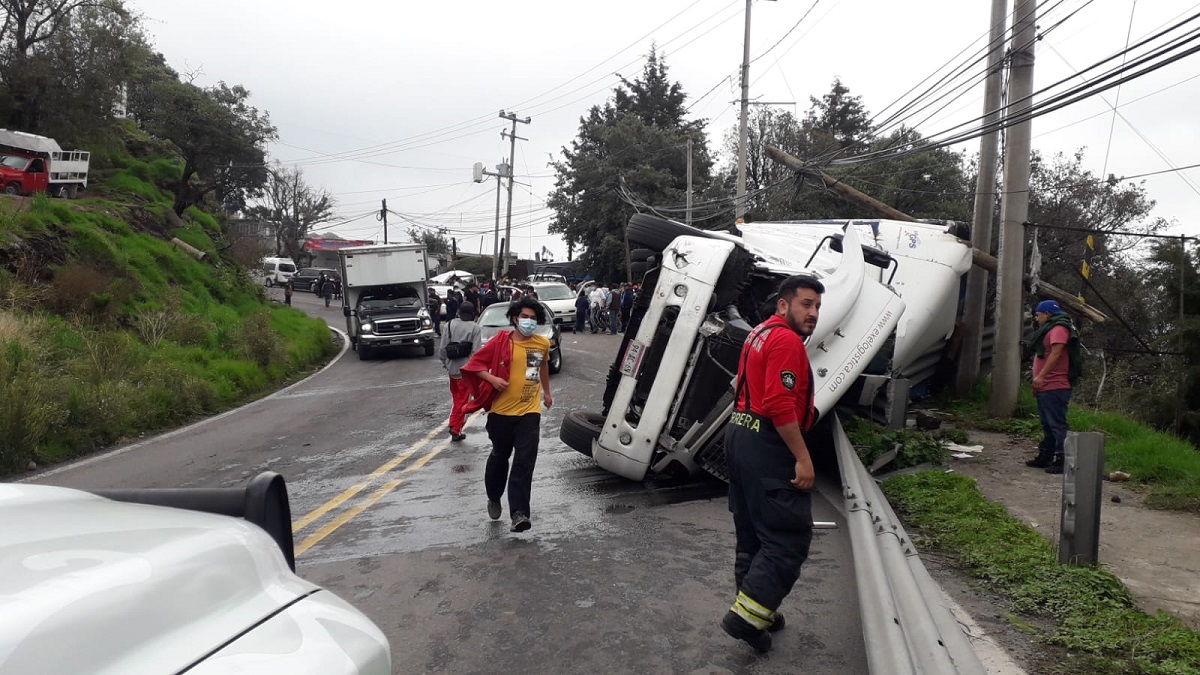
[[516, 437], [772, 518]]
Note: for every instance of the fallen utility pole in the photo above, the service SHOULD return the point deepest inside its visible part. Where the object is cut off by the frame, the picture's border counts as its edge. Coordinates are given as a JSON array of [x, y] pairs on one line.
[[981, 259]]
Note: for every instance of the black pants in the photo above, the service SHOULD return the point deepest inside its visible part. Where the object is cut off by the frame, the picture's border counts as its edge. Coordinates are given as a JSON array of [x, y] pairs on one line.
[[772, 518], [436, 318], [516, 437]]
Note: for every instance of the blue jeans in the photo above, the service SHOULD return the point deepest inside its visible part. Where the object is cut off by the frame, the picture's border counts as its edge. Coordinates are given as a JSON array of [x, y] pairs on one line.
[[1052, 410]]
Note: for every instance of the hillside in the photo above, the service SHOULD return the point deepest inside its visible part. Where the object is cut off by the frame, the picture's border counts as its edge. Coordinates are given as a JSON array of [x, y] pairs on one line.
[[109, 330]]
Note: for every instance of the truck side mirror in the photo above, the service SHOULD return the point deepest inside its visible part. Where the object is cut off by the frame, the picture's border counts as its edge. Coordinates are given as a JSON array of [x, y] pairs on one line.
[[346, 311]]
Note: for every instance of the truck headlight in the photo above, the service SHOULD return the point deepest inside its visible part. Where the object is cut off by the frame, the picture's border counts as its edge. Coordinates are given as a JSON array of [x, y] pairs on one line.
[[426, 320], [366, 327]]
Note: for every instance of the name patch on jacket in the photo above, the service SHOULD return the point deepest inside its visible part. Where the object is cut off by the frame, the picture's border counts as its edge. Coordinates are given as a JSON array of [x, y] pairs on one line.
[[743, 419]]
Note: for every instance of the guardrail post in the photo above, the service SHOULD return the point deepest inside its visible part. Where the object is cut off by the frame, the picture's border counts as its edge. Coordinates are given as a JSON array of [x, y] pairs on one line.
[[1083, 469]]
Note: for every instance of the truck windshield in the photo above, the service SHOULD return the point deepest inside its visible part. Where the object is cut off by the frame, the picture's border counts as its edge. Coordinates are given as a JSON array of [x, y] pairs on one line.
[[384, 297], [13, 162]]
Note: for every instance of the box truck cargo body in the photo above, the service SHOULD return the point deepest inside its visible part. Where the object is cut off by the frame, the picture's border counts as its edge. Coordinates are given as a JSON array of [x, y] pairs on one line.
[[383, 297]]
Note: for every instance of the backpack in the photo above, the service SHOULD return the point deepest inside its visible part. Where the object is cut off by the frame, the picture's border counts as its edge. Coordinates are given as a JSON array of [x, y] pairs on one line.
[[458, 350]]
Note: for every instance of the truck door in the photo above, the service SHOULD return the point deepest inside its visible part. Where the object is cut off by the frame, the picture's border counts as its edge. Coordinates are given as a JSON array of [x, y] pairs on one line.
[[37, 179]]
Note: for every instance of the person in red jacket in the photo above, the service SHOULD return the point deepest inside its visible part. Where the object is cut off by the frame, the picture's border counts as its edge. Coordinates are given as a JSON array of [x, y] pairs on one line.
[[770, 470], [510, 376]]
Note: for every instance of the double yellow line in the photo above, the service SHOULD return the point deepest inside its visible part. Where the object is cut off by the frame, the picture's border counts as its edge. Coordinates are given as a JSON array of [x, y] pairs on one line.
[[347, 515]]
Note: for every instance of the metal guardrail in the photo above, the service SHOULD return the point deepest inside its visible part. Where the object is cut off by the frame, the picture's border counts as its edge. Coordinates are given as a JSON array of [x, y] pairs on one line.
[[906, 628]]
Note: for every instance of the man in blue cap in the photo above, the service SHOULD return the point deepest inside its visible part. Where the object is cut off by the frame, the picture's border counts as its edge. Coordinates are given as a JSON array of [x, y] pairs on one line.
[[1054, 347]]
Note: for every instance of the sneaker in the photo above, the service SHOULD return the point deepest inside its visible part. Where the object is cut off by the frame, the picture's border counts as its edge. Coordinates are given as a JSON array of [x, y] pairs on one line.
[[457, 437], [737, 628], [1056, 466], [1039, 462], [520, 523], [494, 510]]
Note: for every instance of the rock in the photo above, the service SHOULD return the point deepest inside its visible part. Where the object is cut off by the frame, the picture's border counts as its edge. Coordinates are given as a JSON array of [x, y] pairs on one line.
[[1116, 499], [1118, 476], [31, 465], [927, 422]]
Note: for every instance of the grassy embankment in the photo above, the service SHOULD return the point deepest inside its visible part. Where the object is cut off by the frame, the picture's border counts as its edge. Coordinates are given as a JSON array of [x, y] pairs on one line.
[[1089, 610], [109, 331]]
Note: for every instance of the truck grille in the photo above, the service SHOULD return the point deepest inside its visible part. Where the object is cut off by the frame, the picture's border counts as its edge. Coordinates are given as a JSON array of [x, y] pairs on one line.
[[398, 326]]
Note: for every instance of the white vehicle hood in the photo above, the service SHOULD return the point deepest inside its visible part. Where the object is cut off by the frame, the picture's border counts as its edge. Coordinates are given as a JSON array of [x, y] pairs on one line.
[[92, 585]]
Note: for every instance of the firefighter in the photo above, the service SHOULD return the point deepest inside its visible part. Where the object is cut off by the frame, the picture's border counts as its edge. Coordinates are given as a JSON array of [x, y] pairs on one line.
[[770, 470]]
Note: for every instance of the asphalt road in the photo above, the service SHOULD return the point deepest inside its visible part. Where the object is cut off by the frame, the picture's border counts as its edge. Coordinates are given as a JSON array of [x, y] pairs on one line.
[[615, 576]]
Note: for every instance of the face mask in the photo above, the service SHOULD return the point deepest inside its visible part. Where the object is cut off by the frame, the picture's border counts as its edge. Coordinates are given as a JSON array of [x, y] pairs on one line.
[[526, 326]]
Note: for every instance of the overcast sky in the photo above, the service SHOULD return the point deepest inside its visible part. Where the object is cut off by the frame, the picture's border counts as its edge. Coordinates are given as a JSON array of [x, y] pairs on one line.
[[397, 99]]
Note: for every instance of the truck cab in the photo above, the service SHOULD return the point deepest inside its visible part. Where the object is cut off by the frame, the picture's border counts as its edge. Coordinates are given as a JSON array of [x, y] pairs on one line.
[[383, 298], [30, 163]]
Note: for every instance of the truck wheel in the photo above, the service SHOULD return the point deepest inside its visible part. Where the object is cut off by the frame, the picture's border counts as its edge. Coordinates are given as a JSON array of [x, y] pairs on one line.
[[555, 361], [655, 234], [72, 191], [364, 353], [579, 428], [12, 189], [429, 349]]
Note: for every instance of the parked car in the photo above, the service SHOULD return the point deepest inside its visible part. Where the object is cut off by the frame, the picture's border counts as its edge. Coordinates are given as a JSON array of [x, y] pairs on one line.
[[494, 319], [306, 279], [160, 589], [558, 297]]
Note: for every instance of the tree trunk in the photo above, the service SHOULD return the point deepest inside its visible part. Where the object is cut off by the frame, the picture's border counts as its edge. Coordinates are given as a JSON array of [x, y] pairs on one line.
[[183, 193]]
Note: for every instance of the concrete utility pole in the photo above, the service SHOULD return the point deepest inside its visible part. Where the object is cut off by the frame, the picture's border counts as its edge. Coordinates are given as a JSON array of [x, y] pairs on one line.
[[501, 171], [743, 122], [1014, 211], [688, 219], [981, 229], [512, 154]]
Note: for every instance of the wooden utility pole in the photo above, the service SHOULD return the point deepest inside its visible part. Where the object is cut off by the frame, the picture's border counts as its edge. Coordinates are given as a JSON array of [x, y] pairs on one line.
[[688, 219], [383, 215], [1014, 211], [985, 199]]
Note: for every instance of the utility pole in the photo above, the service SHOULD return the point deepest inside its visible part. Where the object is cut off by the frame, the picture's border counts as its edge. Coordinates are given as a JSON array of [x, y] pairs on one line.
[[743, 121], [981, 228], [1014, 211], [688, 219], [383, 216], [502, 170], [512, 154]]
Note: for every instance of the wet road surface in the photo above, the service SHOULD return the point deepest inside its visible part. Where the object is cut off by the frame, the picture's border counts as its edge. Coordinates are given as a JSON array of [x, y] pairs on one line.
[[615, 576]]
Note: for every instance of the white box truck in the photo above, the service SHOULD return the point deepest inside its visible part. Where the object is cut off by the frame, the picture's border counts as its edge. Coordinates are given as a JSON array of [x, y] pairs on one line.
[[30, 163], [383, 297]]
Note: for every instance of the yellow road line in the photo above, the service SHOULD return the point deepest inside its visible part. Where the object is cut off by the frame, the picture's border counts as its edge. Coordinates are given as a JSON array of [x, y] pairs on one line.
[[383, 490], [347, 515], [355, 489]]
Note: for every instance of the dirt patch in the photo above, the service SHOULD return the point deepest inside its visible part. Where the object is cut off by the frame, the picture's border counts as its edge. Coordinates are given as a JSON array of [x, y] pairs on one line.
[[1154, 552]]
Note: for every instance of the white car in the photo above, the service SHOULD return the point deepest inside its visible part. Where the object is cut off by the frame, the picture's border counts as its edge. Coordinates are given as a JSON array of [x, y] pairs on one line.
[[92, 585], [560, 298]]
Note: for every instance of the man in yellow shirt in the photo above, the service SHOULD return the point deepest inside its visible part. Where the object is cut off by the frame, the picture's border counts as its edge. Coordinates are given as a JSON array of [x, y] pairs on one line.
[[514, 422]]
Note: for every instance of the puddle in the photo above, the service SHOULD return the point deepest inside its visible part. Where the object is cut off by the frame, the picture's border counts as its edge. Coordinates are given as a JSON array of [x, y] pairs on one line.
[[618, 509]]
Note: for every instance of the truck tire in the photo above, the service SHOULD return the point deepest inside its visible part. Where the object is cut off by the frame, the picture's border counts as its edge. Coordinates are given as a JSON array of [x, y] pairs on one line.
[[364, 352], [72, 191], [12, 189], [429, 348], [579, 428], [655, 234]]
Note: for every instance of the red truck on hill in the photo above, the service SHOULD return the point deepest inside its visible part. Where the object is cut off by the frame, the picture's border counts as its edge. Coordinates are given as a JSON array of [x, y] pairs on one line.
[[30, 163]]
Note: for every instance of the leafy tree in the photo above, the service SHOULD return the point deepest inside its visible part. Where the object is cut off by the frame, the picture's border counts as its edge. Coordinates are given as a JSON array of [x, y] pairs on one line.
[[24, 25], [221, 138], [292, 207], [435, 241], [1164, 283], [838, 119], [633, 148]]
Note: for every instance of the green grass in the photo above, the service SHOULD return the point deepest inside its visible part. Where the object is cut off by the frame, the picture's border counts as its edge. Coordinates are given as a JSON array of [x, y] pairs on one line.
[[913, 447], [1092, 614], [1164, 466], [109, 331]]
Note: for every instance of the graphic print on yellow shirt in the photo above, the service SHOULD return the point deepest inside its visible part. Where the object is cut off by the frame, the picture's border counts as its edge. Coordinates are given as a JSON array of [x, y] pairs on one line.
[[524, 392]]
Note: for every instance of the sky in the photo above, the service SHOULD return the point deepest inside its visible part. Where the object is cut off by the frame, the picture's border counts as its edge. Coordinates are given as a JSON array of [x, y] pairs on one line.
[[397, 99]]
